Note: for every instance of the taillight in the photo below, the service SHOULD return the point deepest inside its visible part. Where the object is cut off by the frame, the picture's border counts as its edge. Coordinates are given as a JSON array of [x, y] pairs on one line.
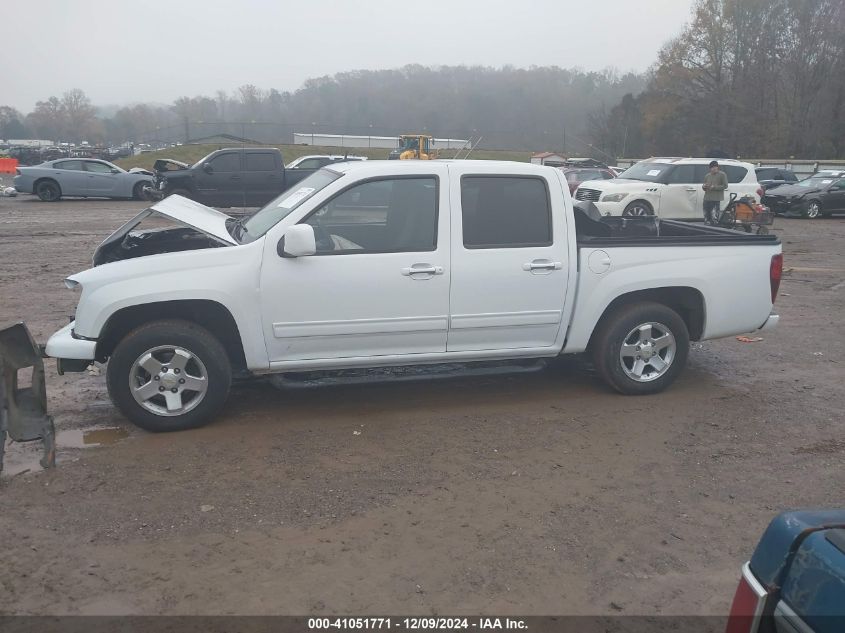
[[747, 606], [775, 274]]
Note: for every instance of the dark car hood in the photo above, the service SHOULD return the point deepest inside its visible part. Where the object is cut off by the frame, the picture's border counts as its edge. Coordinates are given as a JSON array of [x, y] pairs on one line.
[[785, 191], [162, 164]]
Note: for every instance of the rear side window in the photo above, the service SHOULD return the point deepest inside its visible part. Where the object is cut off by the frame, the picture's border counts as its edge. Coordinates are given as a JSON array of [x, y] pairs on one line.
[[226, 162], [768, 174], [505, 212], [735, 173], [789, 176], [74, 165], [259, 162]]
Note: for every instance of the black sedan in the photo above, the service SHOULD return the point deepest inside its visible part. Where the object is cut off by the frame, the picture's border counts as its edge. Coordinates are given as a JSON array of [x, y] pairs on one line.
[[821, 194]]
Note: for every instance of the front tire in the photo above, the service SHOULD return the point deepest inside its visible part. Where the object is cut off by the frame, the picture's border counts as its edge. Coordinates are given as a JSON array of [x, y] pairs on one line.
[[169, 376], [48, 191], [640, 348], [141, 191], [638, 209], [814, 210]]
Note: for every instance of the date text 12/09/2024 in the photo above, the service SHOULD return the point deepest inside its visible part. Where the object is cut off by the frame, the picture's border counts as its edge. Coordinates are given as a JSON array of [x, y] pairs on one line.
[[415, 624]]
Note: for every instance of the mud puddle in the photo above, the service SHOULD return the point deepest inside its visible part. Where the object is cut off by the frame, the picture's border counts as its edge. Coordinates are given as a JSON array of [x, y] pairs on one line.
[[22, 457]]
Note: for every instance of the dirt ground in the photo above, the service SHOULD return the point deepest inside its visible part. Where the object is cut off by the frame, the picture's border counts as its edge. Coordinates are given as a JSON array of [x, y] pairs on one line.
[[540, 493]]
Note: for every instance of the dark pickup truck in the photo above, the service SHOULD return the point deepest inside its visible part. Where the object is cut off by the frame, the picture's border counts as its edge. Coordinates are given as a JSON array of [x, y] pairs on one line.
[[236, 177]]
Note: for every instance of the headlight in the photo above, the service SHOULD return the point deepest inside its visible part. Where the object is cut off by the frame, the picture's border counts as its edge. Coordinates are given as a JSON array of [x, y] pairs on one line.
[[70, 284], [613, 197], [162, 184]]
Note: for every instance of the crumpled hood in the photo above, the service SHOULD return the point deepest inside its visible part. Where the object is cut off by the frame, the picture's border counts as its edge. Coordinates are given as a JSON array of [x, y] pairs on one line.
[[192, 214], [788, 191], [162, 163]]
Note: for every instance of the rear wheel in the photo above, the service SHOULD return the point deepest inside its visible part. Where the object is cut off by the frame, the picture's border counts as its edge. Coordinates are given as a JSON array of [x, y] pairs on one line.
[[814, 209], [640, 348], [48, 190], [169, 376], [638, 208]]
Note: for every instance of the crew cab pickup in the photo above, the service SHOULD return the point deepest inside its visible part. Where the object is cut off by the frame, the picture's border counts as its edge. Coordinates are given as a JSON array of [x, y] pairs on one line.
[[229, 177], [378, 264], [795, 580]]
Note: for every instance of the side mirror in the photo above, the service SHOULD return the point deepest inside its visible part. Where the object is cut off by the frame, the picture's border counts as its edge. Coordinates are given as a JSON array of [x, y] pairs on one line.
[[207, 168], [298, 241]]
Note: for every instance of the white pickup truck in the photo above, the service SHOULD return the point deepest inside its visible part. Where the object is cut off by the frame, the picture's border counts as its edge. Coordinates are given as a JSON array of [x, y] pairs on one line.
[[380, 264]]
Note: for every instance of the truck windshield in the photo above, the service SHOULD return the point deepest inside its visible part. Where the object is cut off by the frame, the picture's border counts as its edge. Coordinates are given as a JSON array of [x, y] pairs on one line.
[[266, 218], [650, 172]]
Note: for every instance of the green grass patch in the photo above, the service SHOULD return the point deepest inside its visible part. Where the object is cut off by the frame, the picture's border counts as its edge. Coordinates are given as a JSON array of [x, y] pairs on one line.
[[192, 153]]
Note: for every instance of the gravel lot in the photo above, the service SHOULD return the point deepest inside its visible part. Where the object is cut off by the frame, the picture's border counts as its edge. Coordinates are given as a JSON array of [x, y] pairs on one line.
[[533, 494]]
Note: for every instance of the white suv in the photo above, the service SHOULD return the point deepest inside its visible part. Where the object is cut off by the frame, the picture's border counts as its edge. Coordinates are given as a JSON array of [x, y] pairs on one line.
[[667, 187]]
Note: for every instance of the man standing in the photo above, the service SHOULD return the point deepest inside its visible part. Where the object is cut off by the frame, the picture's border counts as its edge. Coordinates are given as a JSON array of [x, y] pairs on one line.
[[715, 183]]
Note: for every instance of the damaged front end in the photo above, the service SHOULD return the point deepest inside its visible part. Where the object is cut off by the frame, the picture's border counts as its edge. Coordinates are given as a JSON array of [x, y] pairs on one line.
[[23, 410]]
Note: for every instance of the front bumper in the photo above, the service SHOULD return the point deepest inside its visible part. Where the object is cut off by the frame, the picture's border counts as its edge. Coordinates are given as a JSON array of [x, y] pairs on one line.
[[64, 345], [771, 323]]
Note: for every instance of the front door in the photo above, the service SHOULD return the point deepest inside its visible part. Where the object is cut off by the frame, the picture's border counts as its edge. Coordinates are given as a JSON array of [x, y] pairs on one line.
[[220, 184], [101, 180], [379, 282], [682, 197], [835, 199], [509, 261]]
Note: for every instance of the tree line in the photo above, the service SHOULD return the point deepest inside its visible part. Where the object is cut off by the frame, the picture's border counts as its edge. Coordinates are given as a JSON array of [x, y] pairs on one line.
[[743, 78]]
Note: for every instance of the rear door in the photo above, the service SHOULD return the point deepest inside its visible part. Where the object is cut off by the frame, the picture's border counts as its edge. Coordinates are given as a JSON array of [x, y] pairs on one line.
[[262, 177], [71, 176], [222, 184], [509, 259], [682, 196]]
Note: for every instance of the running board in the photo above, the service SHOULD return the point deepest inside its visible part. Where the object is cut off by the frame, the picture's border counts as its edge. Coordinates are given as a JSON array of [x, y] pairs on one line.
[[402, 373]]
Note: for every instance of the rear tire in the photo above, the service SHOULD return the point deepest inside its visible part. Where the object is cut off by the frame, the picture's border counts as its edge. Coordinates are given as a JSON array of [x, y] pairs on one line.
[[48, 191], [640, 348], [638, 209], [169, 376]]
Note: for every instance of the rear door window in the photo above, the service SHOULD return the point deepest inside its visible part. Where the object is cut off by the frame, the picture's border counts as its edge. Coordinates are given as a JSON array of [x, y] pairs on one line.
[[505, 212], [259, 161], [73, 165]]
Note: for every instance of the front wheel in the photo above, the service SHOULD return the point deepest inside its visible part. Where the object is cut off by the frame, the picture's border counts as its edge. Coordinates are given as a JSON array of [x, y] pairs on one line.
[[814, 209], [638, 209], [141, 191], [169, 376], [641, 348]]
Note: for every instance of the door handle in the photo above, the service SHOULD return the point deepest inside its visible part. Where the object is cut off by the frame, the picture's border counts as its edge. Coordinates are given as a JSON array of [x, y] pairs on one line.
[[422, 269], [234, 178], [542, 264], [691, 189]]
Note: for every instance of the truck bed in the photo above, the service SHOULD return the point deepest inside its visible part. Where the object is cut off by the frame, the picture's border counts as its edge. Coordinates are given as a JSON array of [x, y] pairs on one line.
[[651, 231]]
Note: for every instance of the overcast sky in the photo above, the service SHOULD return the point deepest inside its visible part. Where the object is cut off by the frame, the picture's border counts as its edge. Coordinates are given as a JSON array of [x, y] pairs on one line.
[[123, 52]]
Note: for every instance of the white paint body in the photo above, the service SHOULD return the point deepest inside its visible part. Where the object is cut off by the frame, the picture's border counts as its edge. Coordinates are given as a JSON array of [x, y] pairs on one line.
[[364, 310]]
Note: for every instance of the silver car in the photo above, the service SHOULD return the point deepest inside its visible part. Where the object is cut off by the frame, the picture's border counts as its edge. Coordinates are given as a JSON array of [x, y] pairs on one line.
[[82, 177]]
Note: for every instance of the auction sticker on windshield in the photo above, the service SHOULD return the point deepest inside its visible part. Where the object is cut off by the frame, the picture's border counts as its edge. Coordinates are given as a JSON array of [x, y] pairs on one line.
[[296, 196], [653, 172]]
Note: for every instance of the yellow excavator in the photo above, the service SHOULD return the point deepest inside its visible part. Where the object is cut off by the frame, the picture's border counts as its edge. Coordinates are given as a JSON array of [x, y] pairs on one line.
[[414, 147]]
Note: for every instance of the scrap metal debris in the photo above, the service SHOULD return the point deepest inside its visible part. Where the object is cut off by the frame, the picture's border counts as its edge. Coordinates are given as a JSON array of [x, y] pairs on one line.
[[749, 339], [23, 410]]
